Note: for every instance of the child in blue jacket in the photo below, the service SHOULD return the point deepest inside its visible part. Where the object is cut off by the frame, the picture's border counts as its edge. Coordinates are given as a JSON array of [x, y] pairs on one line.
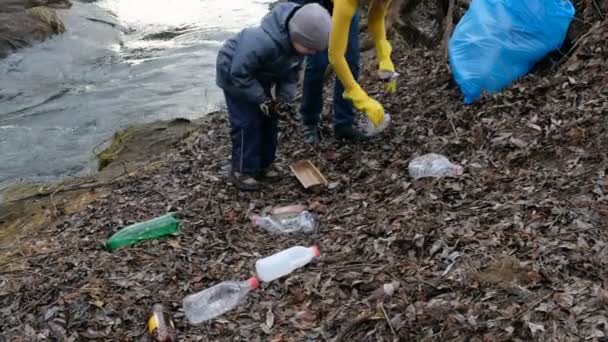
[[248, 66]]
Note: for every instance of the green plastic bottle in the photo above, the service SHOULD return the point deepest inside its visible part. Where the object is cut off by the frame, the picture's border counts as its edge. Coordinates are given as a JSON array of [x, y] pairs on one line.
[[152, 229]]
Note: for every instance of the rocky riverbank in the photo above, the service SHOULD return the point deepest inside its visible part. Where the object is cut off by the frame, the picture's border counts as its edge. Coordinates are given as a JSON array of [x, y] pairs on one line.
[[26, 22], [514, 250]]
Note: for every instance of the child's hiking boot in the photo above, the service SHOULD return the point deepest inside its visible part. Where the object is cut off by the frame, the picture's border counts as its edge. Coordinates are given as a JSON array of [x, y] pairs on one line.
[[245, 182], [311, 134], [350, 134]]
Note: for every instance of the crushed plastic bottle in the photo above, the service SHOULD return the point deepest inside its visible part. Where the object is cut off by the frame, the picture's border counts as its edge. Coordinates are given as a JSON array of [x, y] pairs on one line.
[[285, 262], [217, 300], [286, 223], [152, 229], [160, 326], [368, 128], [433, 165]]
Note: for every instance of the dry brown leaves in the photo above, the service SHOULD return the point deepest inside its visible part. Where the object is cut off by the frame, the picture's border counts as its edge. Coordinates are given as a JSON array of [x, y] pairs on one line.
[[513, 250]]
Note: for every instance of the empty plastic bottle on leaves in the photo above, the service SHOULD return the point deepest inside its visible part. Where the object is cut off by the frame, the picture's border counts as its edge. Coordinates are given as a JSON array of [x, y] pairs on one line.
[[368, 128], [285, 262], [433, 165], [152, 229], [216, 300], [285, 224]]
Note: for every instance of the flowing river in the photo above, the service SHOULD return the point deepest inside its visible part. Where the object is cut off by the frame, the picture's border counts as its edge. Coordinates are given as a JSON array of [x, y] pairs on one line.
[[120, 62]]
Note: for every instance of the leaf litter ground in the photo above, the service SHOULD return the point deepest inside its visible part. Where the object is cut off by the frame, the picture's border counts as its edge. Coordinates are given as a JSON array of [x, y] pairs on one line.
[[516, 249]]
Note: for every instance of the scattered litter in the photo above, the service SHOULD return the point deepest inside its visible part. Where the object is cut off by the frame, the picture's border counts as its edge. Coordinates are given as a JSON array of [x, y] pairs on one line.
[[285, 262], [217, 300], [152, 229], [287, 223], [433, 165], [160, 326], [521, 203], [368, 128], [308, 175]]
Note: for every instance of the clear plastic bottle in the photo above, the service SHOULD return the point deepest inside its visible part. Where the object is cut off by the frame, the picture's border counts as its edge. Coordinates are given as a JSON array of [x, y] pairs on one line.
[[285, 262], [433, 165], [285, 224], [216, 300], [368, 128]]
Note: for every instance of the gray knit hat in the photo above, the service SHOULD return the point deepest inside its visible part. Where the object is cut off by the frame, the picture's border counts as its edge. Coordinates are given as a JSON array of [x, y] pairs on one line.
[[310, 26]]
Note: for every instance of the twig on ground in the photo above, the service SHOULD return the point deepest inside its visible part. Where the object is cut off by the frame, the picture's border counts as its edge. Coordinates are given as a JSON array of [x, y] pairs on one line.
[[74, 187], [510, 318], [55, 211], [388, 321], [358, 321], [31, 256], [574, 49], [35, 304], [598, 9]]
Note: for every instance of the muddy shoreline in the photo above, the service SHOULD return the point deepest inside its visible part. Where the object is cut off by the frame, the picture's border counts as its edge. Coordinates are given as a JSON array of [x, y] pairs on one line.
[[25, 207]]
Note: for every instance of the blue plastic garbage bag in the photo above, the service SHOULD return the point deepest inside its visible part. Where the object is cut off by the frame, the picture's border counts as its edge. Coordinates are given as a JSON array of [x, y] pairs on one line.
[[498, 41]]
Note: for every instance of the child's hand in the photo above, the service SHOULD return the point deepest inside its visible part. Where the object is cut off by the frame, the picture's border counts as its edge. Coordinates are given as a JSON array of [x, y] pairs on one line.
[[268, 108]]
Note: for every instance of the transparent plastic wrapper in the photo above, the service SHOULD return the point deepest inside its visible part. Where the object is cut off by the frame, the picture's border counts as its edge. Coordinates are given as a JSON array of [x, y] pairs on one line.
[[217, 300], [498, 41], [368, 128], [433, 165], [285, 262], [286, 223]]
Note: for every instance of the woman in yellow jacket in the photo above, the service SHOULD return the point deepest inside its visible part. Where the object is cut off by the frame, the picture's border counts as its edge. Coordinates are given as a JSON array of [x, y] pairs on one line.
[[344, 57]]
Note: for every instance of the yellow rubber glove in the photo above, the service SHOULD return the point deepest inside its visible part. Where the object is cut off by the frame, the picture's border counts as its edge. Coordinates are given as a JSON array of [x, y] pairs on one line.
[[386, 68], [377, 28], [362, 102]]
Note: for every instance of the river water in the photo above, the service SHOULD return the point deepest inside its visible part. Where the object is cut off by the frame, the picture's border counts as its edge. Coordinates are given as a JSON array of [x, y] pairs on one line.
[[120, 62]]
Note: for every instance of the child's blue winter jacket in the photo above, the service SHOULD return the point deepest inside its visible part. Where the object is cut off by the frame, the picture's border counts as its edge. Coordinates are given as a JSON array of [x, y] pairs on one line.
[[257, 58]]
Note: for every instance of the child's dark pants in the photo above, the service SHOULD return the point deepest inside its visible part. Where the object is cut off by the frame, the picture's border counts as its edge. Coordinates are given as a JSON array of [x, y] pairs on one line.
[[254, 136]]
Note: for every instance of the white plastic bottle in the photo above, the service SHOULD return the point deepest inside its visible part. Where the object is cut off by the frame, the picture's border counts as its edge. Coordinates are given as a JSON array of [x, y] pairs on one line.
[[285, 262], [433, 165], [216, 300], [281, 224]]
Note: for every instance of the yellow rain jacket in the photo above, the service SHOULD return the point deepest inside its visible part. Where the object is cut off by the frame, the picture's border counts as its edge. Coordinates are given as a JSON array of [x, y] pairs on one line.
[[343, 12]]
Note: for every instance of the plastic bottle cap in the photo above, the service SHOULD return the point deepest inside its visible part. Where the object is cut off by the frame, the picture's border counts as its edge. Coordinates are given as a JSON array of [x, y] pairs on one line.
[[253, 282], [315, 251]]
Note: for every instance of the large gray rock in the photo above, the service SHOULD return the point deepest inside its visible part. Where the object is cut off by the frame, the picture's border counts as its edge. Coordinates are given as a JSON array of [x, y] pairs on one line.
[[25, 27], [20, 5]]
